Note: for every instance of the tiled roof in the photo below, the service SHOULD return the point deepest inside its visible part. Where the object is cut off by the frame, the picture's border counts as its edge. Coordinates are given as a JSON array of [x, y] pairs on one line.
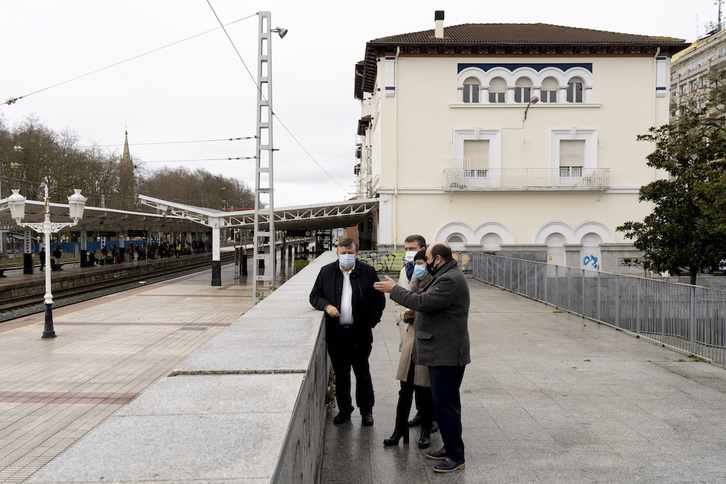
[[523, 34], [501, 40]]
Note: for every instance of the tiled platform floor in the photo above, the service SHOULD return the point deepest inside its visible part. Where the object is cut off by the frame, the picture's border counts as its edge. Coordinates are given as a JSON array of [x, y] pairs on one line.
[[54, 391]]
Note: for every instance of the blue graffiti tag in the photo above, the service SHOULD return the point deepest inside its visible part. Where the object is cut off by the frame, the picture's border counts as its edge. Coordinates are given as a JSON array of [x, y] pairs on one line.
[[590, 259]]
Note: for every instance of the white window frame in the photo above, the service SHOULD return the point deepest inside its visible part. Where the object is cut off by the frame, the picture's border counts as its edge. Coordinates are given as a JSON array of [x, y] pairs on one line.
[[522, 94], [590, 161], [547, 96], [571, 86], [494, 136], [471, 90]]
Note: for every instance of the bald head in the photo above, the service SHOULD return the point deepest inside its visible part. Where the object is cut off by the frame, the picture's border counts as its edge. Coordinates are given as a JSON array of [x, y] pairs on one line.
[[438, 250]]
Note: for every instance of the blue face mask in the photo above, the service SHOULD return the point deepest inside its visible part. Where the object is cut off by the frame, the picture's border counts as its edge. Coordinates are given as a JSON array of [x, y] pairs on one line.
[[347, 260], [419, 271]]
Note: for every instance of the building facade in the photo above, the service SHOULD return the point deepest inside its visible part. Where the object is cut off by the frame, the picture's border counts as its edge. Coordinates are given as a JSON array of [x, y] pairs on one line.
[[514, 138], [690, 69]]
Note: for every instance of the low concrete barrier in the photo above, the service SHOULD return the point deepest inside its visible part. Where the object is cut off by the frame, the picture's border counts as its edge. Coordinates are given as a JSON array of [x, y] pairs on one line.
[[249, 406]]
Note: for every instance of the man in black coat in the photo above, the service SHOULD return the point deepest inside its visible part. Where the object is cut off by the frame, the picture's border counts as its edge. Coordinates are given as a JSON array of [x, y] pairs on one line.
[[442, 344], [344, 290]]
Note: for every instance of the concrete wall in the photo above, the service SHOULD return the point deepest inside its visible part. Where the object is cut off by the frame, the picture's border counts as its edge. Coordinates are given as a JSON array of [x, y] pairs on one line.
[[249, 406]]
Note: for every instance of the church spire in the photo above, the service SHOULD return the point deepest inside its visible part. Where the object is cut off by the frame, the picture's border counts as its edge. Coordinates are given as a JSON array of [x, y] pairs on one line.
[[126, 157], [126, 183]]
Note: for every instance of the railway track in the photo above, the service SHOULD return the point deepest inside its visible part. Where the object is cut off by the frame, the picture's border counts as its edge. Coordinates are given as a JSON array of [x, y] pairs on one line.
[[12, 308]]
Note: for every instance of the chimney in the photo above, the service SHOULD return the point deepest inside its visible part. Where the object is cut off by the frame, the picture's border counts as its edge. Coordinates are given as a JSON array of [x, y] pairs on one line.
[[439, 27]]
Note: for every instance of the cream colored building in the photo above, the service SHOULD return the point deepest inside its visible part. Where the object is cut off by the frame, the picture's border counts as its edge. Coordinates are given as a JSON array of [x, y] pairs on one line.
[[513, 138]]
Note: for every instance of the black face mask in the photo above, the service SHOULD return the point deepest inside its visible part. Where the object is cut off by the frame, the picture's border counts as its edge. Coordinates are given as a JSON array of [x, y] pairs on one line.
[[430, 267]]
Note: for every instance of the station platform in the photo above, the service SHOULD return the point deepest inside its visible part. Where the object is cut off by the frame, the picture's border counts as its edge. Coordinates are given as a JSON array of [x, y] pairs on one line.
[[108, 350]]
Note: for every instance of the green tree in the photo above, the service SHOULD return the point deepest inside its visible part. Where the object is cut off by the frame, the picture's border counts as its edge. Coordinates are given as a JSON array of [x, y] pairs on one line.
[[685, 228]]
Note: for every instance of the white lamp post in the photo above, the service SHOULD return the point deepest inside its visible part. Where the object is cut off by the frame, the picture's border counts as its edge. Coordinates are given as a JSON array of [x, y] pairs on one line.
[[76, 204]]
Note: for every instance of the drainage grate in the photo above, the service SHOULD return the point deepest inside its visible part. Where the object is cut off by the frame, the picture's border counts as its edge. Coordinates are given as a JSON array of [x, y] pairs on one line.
[[193, 328]]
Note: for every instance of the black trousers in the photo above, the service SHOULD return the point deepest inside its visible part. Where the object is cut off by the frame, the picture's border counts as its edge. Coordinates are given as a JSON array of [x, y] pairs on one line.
[[445, 385], [346, 353], [424, 402]]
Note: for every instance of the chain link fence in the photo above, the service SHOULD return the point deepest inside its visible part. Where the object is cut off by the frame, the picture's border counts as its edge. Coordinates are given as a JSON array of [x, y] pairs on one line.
[[688, 318]]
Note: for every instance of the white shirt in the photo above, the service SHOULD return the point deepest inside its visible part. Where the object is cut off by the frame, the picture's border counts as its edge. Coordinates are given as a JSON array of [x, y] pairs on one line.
[[346, 300]]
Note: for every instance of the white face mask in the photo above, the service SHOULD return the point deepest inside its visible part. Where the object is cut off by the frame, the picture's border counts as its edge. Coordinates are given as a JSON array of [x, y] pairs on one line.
[[409, 255], [347, 260]]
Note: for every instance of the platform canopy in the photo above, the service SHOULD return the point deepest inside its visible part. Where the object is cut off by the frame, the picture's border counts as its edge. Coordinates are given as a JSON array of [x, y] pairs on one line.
[[179, 217], [99, 219], [304, 217]]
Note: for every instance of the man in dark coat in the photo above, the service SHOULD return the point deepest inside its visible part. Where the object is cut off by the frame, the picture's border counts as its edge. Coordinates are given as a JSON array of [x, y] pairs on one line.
[[344, 290], [442, 344]]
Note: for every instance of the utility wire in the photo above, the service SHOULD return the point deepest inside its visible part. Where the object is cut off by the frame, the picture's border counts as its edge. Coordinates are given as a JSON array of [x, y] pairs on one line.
[[199, 159], [259, 89], [309, 164], [13, 100], [173, 142]]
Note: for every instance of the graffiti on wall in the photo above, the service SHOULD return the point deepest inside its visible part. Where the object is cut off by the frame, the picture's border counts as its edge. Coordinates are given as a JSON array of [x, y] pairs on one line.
[[590, 262], [392, 261]]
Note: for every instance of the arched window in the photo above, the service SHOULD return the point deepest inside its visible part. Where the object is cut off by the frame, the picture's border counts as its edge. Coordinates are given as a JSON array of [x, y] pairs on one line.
[[550, 88], [455, 241], [522, 90], [497, 90], [575, 89], [471, 90]]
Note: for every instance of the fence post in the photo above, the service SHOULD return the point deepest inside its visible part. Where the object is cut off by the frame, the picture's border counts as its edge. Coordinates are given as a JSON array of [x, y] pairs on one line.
[[617, 302], [692, 320], [546, 276], [557, 286], [583, 298], [569, 291], [638, 303], [599, 293]]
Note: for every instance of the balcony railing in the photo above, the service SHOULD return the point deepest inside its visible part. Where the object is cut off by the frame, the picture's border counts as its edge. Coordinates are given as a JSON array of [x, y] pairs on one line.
[[564, 178]]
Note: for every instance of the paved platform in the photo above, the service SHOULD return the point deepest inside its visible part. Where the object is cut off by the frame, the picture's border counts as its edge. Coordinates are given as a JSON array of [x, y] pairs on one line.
[[108, 351], [549, 398]]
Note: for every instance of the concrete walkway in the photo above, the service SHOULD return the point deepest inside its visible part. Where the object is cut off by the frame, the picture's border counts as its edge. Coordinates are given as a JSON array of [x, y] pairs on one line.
[[549, 398]]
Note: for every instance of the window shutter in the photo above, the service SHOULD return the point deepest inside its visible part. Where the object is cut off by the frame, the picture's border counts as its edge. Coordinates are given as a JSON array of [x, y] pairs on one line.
[[572, 153]]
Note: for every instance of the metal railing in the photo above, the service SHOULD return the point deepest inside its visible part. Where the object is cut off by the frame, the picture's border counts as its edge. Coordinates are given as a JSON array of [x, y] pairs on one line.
[[688, 318], [565, 178]]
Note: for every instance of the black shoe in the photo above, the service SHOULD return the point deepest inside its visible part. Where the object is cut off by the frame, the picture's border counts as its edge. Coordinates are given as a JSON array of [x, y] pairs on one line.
[[341, 418], [425, 441], [434, 427], [415, 421], [397, 435], [448, 465], [367, 419], [437, 454]]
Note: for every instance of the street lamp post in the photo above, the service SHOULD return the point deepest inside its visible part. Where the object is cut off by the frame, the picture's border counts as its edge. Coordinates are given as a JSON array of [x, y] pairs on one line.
[[76, 204]]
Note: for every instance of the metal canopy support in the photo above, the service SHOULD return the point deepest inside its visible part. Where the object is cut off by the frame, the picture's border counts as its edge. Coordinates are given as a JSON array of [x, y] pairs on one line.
[[264, 195]]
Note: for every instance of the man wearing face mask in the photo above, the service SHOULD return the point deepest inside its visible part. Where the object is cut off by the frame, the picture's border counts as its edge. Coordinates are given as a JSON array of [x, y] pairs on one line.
[[442, 344], [344, 290]]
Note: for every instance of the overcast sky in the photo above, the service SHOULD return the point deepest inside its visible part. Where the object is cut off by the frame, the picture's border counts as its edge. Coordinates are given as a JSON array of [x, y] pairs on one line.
[[199, 89]]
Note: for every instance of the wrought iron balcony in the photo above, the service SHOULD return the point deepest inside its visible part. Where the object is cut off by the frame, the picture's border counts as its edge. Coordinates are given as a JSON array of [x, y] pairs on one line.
[[515, 179]]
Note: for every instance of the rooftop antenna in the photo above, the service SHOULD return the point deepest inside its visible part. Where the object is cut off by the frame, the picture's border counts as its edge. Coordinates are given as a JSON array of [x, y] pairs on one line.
[[720, 25]]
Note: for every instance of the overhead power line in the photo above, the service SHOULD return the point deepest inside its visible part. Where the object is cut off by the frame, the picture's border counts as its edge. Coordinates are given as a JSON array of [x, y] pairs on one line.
[[13, 100], [174, 142], [198, 159]]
